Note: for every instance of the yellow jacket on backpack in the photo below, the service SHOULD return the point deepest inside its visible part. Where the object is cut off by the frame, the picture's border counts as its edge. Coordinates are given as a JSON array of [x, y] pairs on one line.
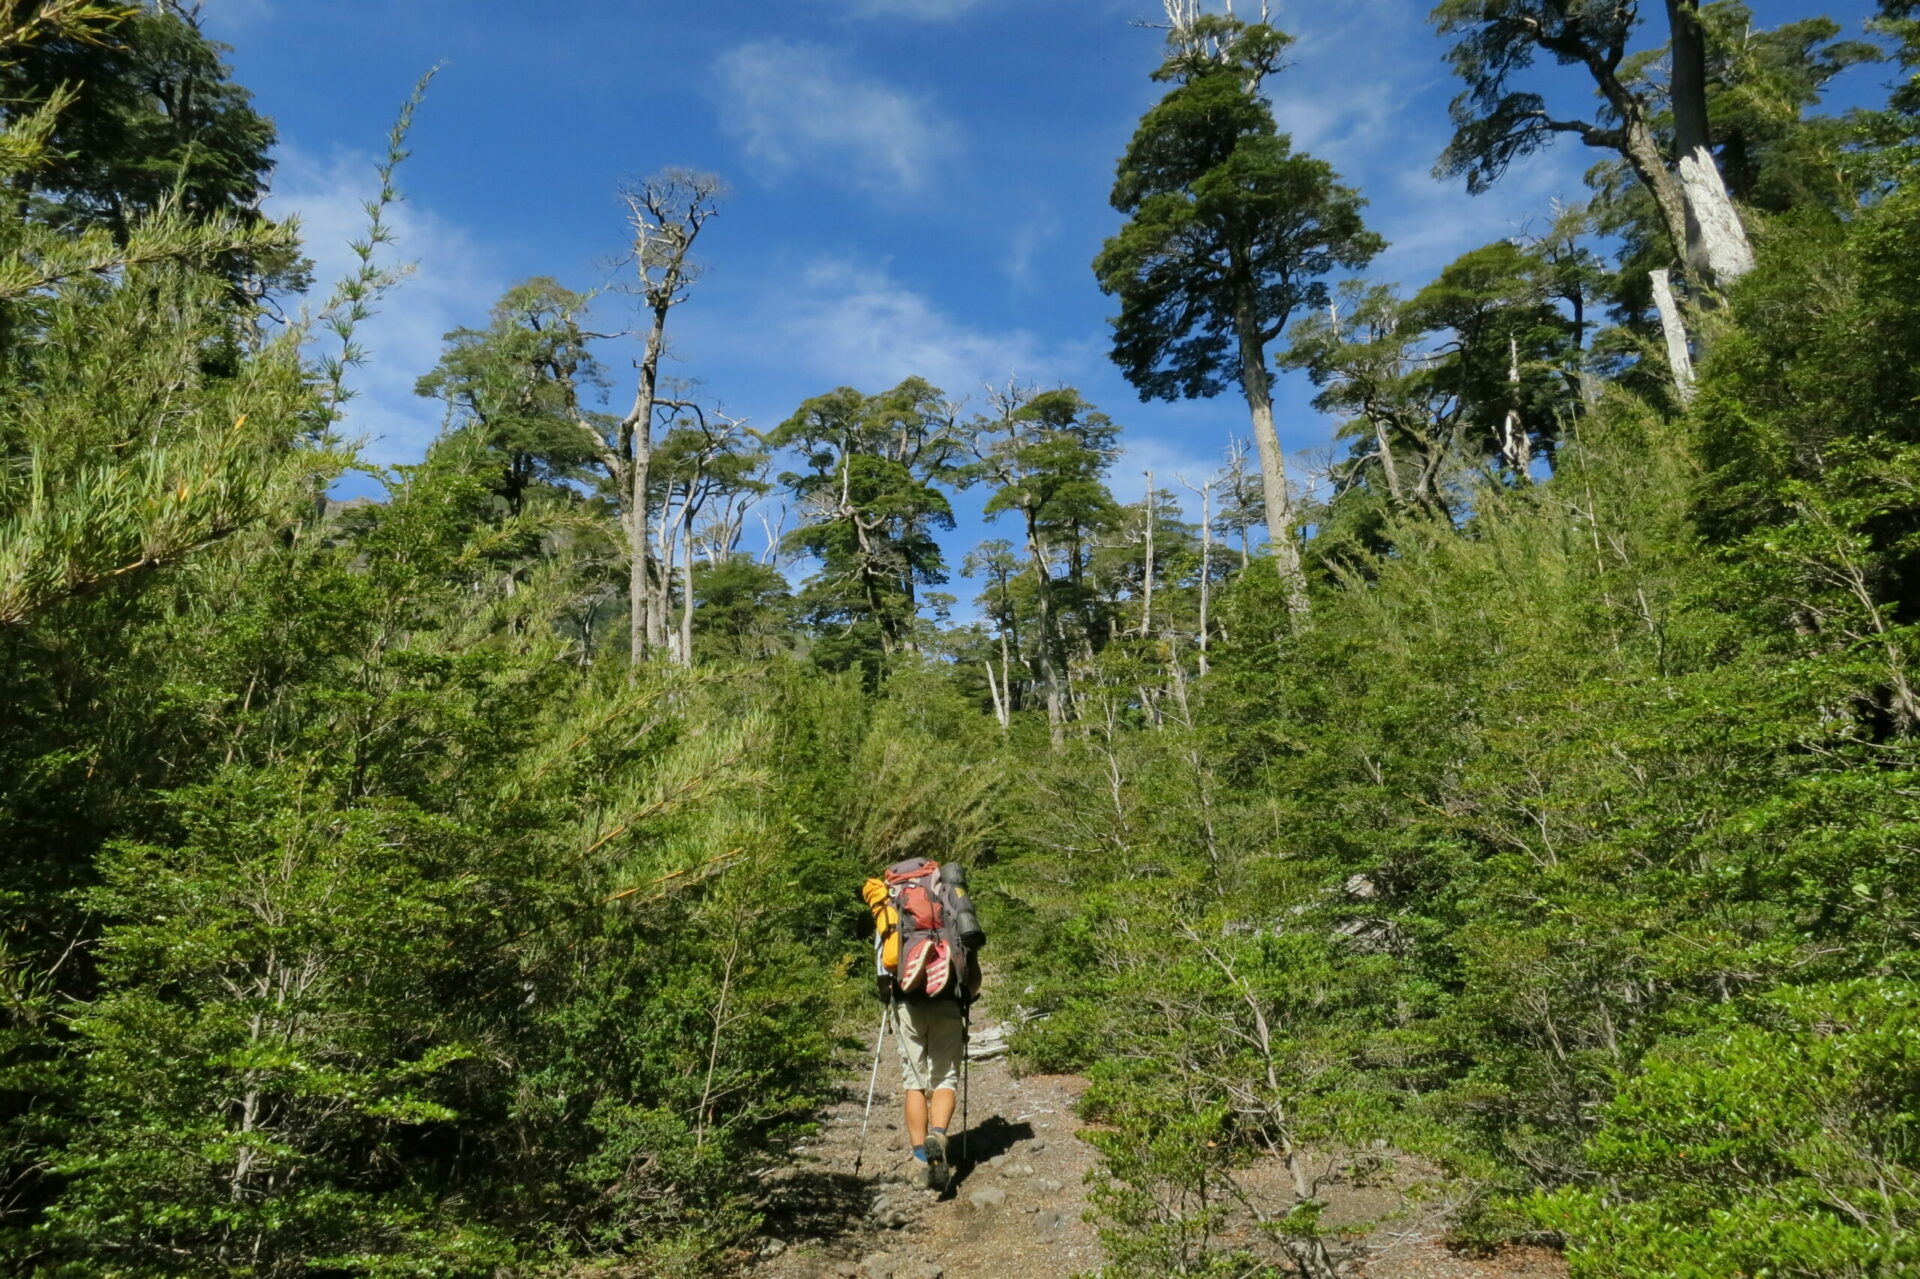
[[886, 923]]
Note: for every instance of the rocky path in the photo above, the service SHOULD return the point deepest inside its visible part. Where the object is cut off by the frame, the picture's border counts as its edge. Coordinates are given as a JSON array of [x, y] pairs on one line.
[[1015, 1208]]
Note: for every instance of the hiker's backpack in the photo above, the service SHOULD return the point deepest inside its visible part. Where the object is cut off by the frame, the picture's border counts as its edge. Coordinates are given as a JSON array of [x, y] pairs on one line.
[[926, 939]]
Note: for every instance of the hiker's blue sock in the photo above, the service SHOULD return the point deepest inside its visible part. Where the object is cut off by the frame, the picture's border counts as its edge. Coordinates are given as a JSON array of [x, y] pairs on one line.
[[941, 1131], [920, 1153]]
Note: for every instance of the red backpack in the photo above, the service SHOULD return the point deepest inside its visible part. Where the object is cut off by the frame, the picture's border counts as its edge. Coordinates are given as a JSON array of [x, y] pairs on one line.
[[926, 936]]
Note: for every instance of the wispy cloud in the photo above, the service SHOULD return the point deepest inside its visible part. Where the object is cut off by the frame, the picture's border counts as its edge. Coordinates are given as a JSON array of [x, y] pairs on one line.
[[452, 285], [856, 325], [1194, 458], [806, 107], [1025, 245], [228, 15], [925, 10]]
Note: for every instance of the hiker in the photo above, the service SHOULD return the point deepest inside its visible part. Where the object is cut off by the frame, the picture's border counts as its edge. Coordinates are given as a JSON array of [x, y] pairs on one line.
[[926, 950]]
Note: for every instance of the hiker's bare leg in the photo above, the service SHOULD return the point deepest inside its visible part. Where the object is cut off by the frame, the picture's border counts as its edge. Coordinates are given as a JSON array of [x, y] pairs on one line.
[[917, 1117], [920, 1112]]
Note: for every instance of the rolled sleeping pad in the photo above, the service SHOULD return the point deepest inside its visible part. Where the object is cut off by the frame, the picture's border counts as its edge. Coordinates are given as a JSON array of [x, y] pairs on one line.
[[954, 876]]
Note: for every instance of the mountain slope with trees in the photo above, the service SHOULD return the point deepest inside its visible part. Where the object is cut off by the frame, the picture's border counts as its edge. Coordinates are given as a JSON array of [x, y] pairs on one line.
[[464, 883]]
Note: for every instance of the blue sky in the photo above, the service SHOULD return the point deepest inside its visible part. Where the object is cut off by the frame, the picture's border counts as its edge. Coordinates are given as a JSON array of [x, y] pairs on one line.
[[918, 185]]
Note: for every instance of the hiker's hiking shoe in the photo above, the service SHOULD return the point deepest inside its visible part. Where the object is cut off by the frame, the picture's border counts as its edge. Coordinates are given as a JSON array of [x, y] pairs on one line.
[[939, 968], [913, 966], [939, 1168]]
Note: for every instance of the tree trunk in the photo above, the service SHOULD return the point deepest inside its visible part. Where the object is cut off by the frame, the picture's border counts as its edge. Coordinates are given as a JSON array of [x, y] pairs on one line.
[[1644, 158], [639, 425], [1679, 358], [1146, 579], [686, 605], [1718, 251], [667, 534], [1716, 245], [1258, 388], [660, 603], [1387, 465], [1237, 477], [638, 588], [993, 687], [1513, 431], [1206, 565], [1043, 596]]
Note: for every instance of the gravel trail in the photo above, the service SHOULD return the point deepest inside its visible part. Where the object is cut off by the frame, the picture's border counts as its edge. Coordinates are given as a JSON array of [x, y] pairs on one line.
[[1015, 1210]]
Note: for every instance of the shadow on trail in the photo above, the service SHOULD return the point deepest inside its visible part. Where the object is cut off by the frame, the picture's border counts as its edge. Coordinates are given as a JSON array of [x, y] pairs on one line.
[[989, 1138], [817, 1203]]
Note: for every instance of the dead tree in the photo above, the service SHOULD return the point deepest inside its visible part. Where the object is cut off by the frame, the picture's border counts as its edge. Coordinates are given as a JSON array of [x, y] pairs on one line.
[[665, 215]]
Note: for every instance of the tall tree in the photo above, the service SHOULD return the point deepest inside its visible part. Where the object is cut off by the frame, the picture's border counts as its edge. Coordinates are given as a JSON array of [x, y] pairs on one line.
[[1498, 346], [708, 462], [870, 499], [150, 117], [665, 215], [514, 383], [1046, 455], [1901, 20], [1372, 364], [1229, 232], [1495, 122], [1762, 86]]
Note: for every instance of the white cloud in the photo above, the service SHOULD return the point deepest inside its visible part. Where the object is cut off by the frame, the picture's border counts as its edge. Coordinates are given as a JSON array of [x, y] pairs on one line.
[[222, 16], [1024, 248], [1196, 455], [925, 10], [800, 106], [856, 326], [1435, 220], [1340, 121], [452, 285]]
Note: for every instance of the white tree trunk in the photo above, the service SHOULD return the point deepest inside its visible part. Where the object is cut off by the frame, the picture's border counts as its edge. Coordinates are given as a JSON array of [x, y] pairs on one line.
[[1717, 246], [1279, 505], [1679, 356], [999, 703], [1518, 448], [686, 609]]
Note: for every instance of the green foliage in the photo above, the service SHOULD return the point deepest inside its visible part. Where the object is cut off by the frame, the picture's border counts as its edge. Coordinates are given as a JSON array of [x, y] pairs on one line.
[[1786, 1146], [1229, 233], [144, 117], [1163, 1192], [81, 507], [870, 488], [448, 955], [1761, 86], [1569, 845], [515, 383], [1901, 20], [1496, 123], [743, 608], [156, 121], [357, 917]]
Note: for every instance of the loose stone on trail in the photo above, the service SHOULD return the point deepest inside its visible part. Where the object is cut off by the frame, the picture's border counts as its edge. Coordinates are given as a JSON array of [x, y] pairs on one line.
[[987, 1043]]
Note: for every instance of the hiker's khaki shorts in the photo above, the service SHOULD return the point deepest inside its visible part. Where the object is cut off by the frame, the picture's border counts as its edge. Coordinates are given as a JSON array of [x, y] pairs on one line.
[[931, 1037]]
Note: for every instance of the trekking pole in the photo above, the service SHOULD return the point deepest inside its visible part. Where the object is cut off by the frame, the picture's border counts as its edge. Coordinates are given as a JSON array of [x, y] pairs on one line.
[[873, 1079], [966, 1071]]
